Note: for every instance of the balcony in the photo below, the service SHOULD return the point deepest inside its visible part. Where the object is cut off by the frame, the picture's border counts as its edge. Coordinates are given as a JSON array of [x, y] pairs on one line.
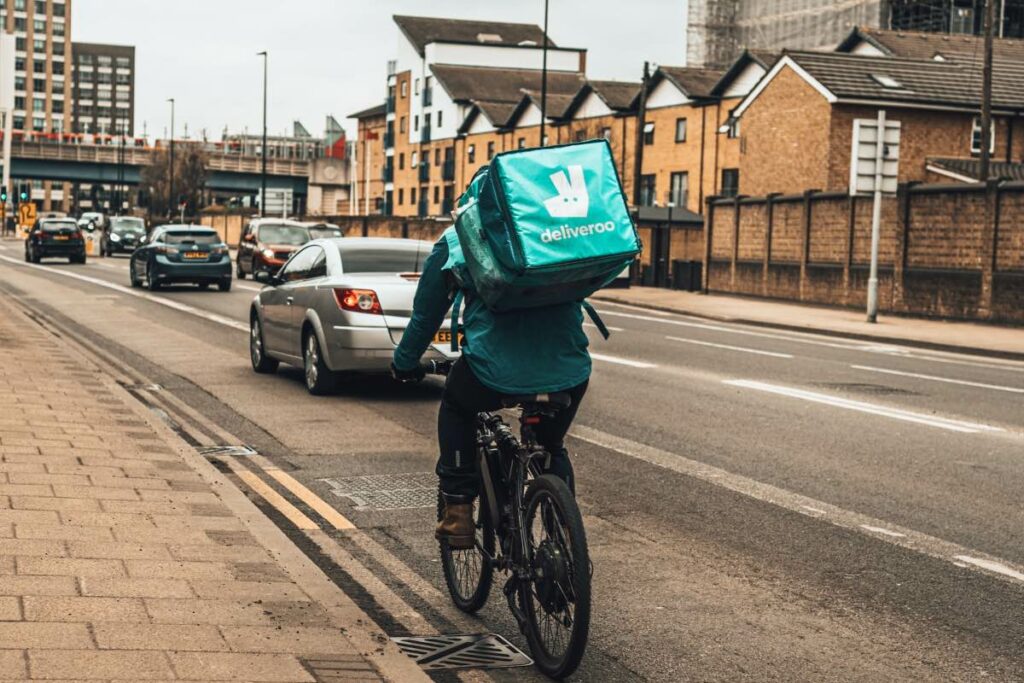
[[425, 134], [389, 140], [448, 170], [389, 104], [428, 97], [424, 172], [388, 173], [422, 209]]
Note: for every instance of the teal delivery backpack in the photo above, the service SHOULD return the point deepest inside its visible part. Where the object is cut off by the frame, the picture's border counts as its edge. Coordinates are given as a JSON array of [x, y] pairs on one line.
[[544, 226]]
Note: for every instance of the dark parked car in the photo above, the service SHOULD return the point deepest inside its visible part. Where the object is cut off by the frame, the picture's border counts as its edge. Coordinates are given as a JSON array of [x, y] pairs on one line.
[[122, 236], [266, 244], [175, 254], [55, 237]]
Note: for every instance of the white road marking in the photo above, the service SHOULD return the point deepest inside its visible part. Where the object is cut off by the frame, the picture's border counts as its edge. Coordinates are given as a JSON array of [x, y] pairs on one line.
[[966, 383], [249, 288], [880, 530], [169, 303], [731, 348], [610, 328], [789, 500], [861, 406], [622, 361], [992, 566]]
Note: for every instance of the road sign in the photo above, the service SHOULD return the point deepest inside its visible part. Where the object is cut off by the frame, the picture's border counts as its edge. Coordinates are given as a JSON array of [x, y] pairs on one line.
[[27, 213], [872, 153]]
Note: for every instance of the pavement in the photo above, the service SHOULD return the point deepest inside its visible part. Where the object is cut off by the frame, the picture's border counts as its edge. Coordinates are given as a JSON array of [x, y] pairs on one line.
[[761, 504], [1002, 341], [124, 555]]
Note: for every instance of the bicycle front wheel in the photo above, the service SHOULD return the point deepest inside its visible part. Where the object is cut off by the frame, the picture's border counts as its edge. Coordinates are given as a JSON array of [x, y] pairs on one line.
[[556, 600], [468, 573]]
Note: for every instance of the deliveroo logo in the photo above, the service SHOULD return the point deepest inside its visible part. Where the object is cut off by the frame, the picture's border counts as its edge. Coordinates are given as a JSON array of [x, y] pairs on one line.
[[572, 200]]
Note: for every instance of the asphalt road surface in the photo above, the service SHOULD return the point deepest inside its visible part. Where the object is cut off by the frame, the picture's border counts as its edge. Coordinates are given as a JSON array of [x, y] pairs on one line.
[[760, 505]]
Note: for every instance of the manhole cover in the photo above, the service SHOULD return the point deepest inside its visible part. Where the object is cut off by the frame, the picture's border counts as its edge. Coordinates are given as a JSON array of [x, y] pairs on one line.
[[238, 451], [483, 650], [387, 491], [862, 388]]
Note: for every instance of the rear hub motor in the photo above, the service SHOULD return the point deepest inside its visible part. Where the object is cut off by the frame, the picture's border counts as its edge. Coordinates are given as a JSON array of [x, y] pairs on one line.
[[551, 576]]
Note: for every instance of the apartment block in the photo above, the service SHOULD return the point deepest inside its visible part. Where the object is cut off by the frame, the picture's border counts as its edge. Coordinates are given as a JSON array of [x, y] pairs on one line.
[[103, 88]]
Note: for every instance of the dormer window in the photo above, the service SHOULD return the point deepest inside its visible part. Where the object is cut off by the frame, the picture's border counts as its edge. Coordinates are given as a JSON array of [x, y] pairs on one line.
[[886, 81], [488, 37]]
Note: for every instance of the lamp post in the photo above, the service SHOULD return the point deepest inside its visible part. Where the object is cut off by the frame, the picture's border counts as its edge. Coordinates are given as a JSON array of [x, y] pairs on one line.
[[544, 79], [170, 175], [263, 149]]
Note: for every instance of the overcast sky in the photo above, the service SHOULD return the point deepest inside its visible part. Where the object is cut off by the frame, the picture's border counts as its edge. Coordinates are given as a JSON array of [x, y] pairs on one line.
[[330, 56]]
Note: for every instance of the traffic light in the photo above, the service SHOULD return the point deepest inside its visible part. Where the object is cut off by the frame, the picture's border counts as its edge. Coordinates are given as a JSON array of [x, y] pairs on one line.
[[3, 195], [24, 191]]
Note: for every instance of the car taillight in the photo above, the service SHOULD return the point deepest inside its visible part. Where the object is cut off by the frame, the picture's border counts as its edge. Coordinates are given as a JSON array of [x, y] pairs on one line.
[[170, 251], [358, 300], [76, 235]]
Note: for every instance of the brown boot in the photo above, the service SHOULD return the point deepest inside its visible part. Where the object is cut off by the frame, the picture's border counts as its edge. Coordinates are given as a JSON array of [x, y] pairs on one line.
[[457, 526]]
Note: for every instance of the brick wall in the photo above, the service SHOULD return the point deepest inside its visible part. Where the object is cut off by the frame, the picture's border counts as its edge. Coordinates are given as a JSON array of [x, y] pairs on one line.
[[953, 251]]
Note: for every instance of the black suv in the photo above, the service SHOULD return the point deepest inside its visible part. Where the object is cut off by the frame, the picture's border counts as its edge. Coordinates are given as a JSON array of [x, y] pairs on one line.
[[55, 237], [122, 235]]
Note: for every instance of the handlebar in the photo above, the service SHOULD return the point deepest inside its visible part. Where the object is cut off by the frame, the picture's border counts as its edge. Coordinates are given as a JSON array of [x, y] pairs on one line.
[[437, 367]]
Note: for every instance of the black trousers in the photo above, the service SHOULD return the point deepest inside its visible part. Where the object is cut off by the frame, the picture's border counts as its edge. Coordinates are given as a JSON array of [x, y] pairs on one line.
[[464, 397]]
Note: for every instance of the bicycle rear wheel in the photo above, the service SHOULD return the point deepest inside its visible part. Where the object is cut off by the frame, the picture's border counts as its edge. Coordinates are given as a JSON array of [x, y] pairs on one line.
[[468, 573], [556, 601]]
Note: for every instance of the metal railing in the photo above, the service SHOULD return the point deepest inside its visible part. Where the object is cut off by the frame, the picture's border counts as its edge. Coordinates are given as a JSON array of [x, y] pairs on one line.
[[388, 173], [424, 172], [389, 139], [389, 104]]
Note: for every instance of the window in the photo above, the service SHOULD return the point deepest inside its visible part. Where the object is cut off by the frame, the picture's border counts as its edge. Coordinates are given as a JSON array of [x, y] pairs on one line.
[[319, 267], [490, 150], [124, 62], [58, 106], [649, 133], [39, 66], [414, 160], [580, 135], [471, 153], [680, 130], [606, 133], [39, 45], [401, 125], [679, 188], [439, 112], [734, 129], [730, 182], [19, 44], [20, 24], [38, 104], [40, 6], [437, 194], [886, 81], [19, 102], [39, 26], [38, 124], [104, 60], [358, 256], [18, 122], [58, 68], [404, 91], [19, 63], [416, 122], [19, 5], [19, 83], [401, 195], [401, 162], [39, 84], [426, 157], [416, 88], [521, 143], [412, 195], [84, 59], [300, 265], [58, 28], [58, 9], [976, 137], [647, 194]]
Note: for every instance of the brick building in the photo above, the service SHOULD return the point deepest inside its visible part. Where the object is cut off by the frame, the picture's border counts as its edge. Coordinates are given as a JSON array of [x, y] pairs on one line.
[[368, 162], [797, 123]]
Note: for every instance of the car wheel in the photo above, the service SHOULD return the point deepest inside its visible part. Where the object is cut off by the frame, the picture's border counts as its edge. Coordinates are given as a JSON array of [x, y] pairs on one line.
[[319, 378], [151, 282], [28, 257], [261, 362], [36, 258], [239, 273], [255, 272], [132, 277], [224, 285]]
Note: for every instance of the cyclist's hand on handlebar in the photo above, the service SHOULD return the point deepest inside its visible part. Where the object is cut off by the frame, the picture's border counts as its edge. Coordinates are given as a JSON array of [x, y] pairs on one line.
[[408, 376]]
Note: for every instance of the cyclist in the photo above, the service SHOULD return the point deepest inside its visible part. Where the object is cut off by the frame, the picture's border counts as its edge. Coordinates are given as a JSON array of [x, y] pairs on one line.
[[529, 351]]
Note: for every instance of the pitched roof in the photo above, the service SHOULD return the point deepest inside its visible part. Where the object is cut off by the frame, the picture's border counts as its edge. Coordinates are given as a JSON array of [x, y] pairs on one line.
[[557, 104], [498, 113], [370, 112], [969, 168], [763, 58], [693, 81], [493, 84], [618, 95], [423, 30], [927, 45], [920, 81]]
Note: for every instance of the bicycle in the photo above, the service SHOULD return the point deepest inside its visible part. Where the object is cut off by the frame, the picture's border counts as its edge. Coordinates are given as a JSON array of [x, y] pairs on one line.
[[541, 544]]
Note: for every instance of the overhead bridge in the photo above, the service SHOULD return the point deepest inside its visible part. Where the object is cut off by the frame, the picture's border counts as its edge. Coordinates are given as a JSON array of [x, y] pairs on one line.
[[78, 163]]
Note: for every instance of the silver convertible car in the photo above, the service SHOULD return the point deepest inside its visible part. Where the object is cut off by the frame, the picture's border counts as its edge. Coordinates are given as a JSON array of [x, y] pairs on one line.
[[339, 305]]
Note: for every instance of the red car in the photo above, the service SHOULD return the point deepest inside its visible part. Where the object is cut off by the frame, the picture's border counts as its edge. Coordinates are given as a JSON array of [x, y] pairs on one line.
[[265, 245]]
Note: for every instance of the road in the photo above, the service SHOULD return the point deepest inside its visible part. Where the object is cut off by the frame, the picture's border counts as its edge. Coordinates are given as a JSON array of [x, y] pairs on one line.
[[760, 505]]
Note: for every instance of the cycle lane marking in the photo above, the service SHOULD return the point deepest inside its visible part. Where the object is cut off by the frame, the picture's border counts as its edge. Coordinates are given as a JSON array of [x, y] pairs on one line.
[[865, 525], [728, 347], [935, 378], [621, 361]]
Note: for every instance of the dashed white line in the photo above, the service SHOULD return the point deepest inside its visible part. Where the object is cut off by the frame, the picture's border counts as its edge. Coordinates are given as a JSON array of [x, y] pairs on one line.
[[744, 349], [610, 328], [992, 566], [933, 378], [621, 361], [861, 406], [883, 531]]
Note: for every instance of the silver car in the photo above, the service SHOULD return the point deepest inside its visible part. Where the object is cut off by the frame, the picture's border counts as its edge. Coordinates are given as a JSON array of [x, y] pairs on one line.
[[339, 305]]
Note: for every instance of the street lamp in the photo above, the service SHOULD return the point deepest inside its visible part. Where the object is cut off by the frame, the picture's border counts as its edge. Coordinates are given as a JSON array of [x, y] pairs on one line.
[[263, 150], [544, 79], [170, 175]]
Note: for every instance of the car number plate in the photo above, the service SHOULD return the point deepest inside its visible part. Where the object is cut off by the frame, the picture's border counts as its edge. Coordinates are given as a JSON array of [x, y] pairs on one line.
[[61, 237], [195, 254], [445, 337]]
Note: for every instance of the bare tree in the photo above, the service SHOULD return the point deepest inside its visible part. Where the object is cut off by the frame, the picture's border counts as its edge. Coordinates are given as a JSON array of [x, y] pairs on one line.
[[190, 173]]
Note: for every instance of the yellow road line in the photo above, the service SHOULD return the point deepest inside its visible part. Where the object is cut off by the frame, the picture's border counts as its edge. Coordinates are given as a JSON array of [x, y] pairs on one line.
[[292, 513], [333, 517]]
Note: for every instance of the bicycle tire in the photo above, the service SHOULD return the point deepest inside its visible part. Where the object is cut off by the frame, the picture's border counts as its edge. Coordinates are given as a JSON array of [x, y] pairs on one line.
[[551, 488], [466, 600]]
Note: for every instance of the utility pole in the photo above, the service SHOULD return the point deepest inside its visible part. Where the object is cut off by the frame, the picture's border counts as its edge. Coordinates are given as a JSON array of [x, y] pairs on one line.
[[263, 151], [170, 175], [641, 116], [544, 79], [986, 95]]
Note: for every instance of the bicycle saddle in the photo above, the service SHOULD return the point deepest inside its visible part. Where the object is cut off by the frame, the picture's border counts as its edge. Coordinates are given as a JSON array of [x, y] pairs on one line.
[[557, 400]]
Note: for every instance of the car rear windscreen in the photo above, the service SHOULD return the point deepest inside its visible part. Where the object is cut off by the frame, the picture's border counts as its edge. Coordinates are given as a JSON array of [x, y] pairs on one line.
[[400, 258], [57, 226], [127, 225], [283, 234], [191, 238], [317, 233]]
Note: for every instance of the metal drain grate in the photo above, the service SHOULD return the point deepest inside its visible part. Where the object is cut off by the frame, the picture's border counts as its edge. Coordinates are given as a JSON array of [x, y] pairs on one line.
[[238, 451], [483, 650], [387, 491]]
